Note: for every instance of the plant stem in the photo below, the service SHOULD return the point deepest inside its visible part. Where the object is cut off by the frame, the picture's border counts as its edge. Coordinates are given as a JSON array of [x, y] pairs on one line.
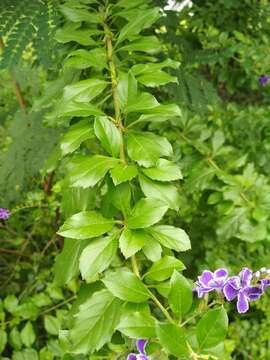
[[135, 267], [162, 308], [114, 82]]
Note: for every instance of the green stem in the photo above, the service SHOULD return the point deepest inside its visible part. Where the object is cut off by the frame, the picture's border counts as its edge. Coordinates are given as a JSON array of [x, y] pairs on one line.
[[162, 308], [135, 267], [114, 82]]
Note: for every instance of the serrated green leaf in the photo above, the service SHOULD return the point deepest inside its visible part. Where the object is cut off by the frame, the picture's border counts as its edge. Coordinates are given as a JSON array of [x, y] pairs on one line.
[[131, 241], [146, 148], [85, 225], [97, 256], [164, 170], [171, 237], [95, 322], [87, 171], [52, 324], [71, 33], [28, 335], [164, 268], [75, 135], [126, 286], [172, 338], [138, 20], [212, 328], [137, 325], [167, 193], [83, 59], [108, 135], [180, 296], [122, 173], [146, 213], [148, 44]]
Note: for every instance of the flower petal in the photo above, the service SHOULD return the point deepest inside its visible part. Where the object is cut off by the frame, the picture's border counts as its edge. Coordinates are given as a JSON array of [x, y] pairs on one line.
[[242, 303], [253, 293], [205, 277], [264, 284], [221, 273], [246, 276], [132, 357], [142, 357], [235, 282], [230, 292], [141, 344]]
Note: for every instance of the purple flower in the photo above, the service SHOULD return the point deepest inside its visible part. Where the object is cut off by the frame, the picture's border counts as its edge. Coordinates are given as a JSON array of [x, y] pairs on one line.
[[4, 214], [141, 344], [240, 287], [263, 80], [210, 281]]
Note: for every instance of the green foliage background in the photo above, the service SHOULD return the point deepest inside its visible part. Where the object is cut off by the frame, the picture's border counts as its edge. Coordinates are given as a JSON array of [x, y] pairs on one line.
[[220, 142]]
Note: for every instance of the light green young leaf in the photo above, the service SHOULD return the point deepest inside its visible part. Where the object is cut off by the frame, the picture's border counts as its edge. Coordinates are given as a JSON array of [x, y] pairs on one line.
[[180, 296], [88, 171], [3, 340], [75, 108], [143, 102], [171, 237], [52, 324], [131, 241], [129, 4], [15, 339], [97, 256], [167, 193], [146, 148], [84, 90], [83, 59], [172, 338], [212, 328], [67, 262], [76, 135], [137, 325], [28, 335], [164, 170], [152, 249], [95, 322], [71, 32], [149, 44], [122, 173], [85, 225], [27, 354], [108, 135], [138, 20], [11, 303], [145, 213], [126, 286], [164, 268]]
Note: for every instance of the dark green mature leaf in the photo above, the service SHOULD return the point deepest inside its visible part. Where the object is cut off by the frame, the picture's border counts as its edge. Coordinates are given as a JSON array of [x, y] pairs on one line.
[[75, 135], [86, 171], [70, 32], [146, 148], [145, 213], [126, 286], [164, 170], [131, 241], [137, 325], [172, 338], [122, 173], [171, 237], [78, 13], [138, 19], [142, 102], [95, 322], [109, 135], [156, 78], [85, 225], [84, 90], [97, 256], [167, 193], [120, 197], [67, 262], [163, 269], [149, 44], [160, 113], [212, 328], [180, 296]]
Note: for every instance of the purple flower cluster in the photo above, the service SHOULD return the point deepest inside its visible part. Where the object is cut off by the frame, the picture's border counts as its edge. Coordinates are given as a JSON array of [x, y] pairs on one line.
[[141, 344], [263, 80], [245, 287], [4, 214]]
